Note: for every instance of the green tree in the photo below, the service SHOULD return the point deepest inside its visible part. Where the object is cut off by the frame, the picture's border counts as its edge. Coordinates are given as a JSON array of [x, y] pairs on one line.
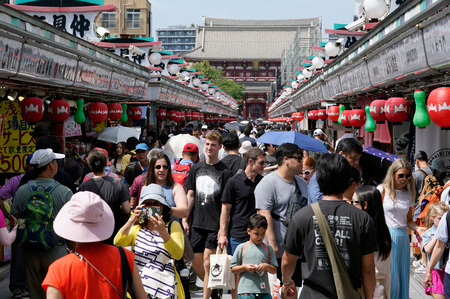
[[234, 89]]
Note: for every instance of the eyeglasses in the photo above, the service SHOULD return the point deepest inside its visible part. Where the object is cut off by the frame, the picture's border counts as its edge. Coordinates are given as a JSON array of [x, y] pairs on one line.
[[307, 172], [261, 163], [163, 166], [402, 175], [299, 158], [354, 201]]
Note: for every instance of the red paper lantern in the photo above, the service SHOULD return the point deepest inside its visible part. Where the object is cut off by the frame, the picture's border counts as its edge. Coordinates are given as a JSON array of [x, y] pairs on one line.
[[160, 114], [188, 115], [180, 116], [194, 115], [98, 112], [135, 113], [59, 110], [333, 113], [115, 111], [300, 116], [397, 110], [201, 116], [357, 117], [215, 117], [345, 118], [438, 107], [171, 114], [290, 120], [32, 109], [377, 111], [322, 114], [312, 115]]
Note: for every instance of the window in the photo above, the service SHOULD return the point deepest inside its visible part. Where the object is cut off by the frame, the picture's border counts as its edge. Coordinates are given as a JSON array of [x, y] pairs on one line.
[[109, 20], [133, 18]]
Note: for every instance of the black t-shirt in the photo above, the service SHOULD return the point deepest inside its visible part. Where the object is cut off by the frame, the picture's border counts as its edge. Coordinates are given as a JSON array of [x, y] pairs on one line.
[[114, 192], [355, 236], [208, 183], [61, 177], [239, 192], [232, 162]]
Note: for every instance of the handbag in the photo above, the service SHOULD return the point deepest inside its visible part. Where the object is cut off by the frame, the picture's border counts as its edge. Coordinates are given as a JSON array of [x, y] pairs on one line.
[[220, 275], [344, 288], [296, 202]]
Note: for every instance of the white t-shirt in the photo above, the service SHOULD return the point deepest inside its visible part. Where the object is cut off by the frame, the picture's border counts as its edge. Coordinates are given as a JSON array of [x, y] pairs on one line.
[[442, 235], [396, 214], [444, 195]]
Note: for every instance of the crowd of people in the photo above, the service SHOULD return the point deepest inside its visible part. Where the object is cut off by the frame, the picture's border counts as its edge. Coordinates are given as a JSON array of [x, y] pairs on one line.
[[69, 221]]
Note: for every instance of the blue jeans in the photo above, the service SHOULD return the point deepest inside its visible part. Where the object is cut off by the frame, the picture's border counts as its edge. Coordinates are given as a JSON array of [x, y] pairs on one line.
[[17, 278], [233, 244], [447, 285]]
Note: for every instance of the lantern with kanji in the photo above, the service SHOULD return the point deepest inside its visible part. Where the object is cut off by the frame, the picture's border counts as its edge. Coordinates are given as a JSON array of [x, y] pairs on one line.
[[171, 114], [188, 115], [289, 120], [195, 116], [135, 113], [300, 116], [160, 114], [312, 115], [215, 118], [345, 118], [322, 114], [32, 109], [357, 117], [114, 111], [180, 116], [98, 112], [59, 110], [397, 110], [201, 116], [333, 113], [439, 107], [377, 111]]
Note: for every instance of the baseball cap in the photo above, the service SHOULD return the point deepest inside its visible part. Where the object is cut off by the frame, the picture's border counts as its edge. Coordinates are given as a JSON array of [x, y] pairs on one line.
[[156, 192], [421, 155], [205, 127], [190, 147], [318, 132], [105, 152], [43, 157], [142, 146]]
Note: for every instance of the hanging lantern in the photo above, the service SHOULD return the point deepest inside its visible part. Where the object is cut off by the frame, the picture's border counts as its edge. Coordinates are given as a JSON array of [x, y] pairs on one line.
[[114, 111], [180, 116], [188, 115], [79, 115], [294, 115], [216, 118], [397, 110], [421, 118], [370, 123], [201, 116], [357, 117], [290, 120], [333, 113], [124, 117], [160, 114], [171, 114], [345, 118], [135, 113], [59, 110], [98, 112], [312, 115], [300, 116], [377, 111], [438, 107], [341, 109], [32, 109], [322, 114]]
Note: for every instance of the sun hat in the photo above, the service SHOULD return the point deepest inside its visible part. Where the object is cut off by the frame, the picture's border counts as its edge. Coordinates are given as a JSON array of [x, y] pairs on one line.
[[439, 165], [318, 132], [245, 147], [156, 192], [142, 147], [205, 127], [190, 147], [85, 218], [43, 157], [105, 152]]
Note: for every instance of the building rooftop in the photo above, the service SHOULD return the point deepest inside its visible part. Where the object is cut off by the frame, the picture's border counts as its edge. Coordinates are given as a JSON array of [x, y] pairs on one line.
[[261, 23]]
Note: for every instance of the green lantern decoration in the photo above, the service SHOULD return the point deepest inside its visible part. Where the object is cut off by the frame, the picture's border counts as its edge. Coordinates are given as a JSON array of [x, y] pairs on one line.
[[124, 117], [341, 109], [421, 118], [370, 123], [79, 115]]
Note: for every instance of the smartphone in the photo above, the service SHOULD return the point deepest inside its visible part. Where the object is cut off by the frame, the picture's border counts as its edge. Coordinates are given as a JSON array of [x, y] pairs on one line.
[[150, 211]]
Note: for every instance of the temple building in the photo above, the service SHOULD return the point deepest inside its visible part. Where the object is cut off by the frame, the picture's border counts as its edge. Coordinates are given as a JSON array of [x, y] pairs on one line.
[[249, 52]]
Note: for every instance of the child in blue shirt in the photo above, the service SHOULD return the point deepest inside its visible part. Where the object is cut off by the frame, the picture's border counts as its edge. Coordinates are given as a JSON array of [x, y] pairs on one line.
[[253, 260]]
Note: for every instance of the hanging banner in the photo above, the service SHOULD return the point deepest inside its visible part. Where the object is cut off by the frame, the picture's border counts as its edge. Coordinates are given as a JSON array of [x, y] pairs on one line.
[[16, 143]]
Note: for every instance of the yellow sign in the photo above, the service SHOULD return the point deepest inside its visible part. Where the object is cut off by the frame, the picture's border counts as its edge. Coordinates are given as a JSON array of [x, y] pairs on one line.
[[16, 143]]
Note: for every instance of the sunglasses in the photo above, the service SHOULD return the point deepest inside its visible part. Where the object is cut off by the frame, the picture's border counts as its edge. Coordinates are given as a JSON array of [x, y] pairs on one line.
[[261, 163], [163, 166], [354, 201], [402, 175], [299, 158], [307, 172]]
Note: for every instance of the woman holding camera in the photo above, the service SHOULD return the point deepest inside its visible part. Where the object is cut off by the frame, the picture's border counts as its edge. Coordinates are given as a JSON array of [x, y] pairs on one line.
[[156, 242]]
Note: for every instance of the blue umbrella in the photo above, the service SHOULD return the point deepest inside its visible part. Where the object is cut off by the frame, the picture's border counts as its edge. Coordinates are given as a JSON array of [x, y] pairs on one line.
[[380, 154], [303, 141]]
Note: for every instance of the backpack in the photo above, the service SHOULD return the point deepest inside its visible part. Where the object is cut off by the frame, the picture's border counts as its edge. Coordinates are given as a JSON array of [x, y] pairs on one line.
[[180, 172], [245, 246], [296, 202], [38, 233], [427, 201], [430, 183], [133, 157]]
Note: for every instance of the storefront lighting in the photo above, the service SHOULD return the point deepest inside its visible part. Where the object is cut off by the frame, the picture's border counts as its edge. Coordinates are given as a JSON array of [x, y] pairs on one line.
[[13, 95]]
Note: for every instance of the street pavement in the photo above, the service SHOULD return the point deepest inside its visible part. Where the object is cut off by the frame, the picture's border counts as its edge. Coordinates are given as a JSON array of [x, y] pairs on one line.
[[416, 290]]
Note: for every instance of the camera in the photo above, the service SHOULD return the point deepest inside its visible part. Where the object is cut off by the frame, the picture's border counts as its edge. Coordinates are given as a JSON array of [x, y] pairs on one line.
[[146, 212]]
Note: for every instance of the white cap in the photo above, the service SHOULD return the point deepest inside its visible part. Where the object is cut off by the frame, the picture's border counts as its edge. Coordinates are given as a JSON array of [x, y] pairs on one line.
[[318, 132], [43, 157], [204, 127]]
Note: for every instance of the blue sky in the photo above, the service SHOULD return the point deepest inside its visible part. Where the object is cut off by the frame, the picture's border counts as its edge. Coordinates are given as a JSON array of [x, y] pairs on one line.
[[177, 12]]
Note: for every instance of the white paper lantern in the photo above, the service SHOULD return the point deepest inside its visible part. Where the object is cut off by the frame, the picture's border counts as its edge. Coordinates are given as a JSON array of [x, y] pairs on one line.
[[294, 85], [196, 82], [331, 49], [375, 9], [288, 90], [155, 58], [300, 77], [307, 73], [173, 69], [185, 75], [204, 87], [318, 62]]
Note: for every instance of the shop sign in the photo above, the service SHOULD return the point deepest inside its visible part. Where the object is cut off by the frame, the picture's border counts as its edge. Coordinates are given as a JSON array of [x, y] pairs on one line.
[[334, 86], [140, 88], [92, 76], [355, 78], [10, 52], [122, 84], [16, 143], [437, 42]]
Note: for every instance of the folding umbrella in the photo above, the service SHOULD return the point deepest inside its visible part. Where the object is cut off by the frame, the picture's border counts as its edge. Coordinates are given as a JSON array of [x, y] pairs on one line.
[[174, 147], [303, 141], [117, 134]]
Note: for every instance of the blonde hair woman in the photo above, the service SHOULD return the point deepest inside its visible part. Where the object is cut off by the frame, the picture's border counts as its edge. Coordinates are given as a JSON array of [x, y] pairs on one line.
[[398, 195]]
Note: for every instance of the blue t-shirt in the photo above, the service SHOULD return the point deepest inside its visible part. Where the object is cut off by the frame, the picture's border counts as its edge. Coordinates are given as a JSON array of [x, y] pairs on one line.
[[426, 238], [314, 193]]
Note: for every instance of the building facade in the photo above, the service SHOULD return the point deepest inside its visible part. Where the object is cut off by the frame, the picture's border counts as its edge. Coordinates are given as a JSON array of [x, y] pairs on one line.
[[132, 18], [178, 38], [249, 52]]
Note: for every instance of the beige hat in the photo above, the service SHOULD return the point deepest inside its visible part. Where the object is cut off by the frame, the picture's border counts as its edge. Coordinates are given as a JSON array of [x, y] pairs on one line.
[[245, 147]]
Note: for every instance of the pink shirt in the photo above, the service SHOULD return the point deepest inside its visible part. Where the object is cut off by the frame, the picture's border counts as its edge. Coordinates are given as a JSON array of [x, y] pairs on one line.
[[2, 220], [136, 187]]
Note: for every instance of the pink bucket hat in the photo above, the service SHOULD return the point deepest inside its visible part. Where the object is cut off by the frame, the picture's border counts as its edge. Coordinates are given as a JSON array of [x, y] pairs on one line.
[[85, 218]]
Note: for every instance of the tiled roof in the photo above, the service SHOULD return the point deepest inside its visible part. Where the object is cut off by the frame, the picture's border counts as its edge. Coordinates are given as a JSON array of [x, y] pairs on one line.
[[245, 39]]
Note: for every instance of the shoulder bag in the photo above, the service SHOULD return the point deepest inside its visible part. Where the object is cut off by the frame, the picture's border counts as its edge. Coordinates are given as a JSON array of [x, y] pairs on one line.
[[344, 288]]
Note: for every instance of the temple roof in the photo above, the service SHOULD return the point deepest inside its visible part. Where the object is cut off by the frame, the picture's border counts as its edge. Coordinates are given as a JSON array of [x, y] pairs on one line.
[[230, 39]]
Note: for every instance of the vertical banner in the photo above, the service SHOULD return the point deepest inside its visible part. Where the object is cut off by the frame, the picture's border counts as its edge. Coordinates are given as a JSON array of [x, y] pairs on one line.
[[16, 143]]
